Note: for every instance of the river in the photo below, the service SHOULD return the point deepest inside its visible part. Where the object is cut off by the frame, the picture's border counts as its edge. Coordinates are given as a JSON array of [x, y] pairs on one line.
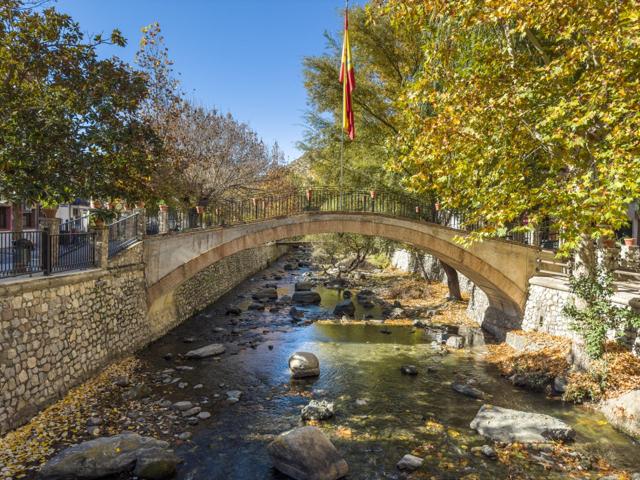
[[380, 413]]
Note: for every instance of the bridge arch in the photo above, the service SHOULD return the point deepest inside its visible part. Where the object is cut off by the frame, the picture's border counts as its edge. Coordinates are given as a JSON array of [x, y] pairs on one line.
[[501, 269]]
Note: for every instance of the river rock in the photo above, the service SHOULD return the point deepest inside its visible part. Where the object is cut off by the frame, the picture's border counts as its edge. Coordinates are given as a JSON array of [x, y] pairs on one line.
[[296, 313], [192, 412], [146, 457], [317, 410], [265, 294], [304, 364], [409, 370], [305, 453], [234, 310], [506, 425], [560, 384], [256, 306], [233, 396], [288, 267], [397, 313], [303, 286], [455, 341], [306, 298], [346, 294], [345, 307], [183, 406], [623, 412], [206, 351], [410, 462], [468, 390]]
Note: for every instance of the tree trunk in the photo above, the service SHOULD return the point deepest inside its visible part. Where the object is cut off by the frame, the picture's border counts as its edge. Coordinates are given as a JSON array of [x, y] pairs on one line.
[[586, 257], [16, 214], [452, 281]]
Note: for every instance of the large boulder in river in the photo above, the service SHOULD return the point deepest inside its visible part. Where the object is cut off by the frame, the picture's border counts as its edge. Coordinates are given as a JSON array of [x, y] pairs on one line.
[[305, 453], [206, 351], [506, 425], [306, 298], [304, 364], [145, 457], [345, 307], [623, 412]]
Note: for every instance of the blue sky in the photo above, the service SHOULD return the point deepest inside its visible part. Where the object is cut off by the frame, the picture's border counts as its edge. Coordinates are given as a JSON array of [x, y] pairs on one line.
[[240, 56]]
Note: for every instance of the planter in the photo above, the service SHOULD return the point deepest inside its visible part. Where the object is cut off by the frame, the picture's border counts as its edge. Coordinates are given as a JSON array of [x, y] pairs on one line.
[[96, 204], [99, 222], [49, 212], [372, 193], [140, 204], [199, 209], [164, 208], [630, 242]]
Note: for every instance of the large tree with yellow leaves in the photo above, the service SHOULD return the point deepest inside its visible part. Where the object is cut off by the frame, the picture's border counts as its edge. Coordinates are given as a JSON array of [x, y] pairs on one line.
[[524, 109]]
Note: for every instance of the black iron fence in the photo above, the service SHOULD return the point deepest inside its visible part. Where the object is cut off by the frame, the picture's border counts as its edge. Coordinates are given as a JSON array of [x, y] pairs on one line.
[[76, 225], [234, 212], [123, 233], [27, 253]]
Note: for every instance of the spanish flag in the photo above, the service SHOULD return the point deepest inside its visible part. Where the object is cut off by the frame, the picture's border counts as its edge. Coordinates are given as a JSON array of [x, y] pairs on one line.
[[348, 81]]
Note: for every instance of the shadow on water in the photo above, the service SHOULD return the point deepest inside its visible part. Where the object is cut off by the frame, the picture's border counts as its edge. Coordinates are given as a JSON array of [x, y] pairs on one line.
[[380, 413]]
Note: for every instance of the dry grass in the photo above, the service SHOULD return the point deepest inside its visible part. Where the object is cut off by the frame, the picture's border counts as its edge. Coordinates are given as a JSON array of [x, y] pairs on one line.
[[616, 373]]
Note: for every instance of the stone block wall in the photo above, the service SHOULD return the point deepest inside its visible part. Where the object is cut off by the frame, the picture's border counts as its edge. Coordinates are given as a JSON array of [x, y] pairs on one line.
[[56, 332], [214, 281]]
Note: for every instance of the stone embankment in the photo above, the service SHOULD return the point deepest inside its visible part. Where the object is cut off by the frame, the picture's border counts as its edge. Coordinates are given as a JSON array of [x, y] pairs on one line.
[[57, 331]]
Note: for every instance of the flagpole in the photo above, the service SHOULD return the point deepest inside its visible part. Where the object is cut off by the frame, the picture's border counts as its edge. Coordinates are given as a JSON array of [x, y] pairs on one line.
[[346, 12]]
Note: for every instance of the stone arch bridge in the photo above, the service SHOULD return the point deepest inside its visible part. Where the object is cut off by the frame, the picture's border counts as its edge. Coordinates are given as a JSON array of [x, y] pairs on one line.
[[501, 268]]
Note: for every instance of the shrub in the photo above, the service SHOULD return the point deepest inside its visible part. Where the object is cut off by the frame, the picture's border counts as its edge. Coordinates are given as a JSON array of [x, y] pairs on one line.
[[598, 315]]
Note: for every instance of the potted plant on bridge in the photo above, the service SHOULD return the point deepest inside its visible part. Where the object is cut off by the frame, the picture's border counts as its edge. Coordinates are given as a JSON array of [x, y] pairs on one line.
[[163, 206], [49, 210], [630, 242], [100, 216]]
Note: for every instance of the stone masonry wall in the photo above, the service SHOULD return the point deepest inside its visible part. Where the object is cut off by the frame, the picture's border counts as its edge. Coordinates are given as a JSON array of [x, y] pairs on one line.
[[211, 283], [56, 332]]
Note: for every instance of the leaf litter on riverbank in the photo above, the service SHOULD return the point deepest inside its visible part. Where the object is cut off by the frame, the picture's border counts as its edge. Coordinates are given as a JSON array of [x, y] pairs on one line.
[[64, 423]]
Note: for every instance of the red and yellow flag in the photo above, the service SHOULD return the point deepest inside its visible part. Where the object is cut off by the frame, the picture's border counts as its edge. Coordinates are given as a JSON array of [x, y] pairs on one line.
[[348, 81]]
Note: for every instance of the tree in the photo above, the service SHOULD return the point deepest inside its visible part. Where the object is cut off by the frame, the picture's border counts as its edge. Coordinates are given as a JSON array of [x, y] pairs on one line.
[[69, 122], [386, 61], [215, 156], [524, 112]]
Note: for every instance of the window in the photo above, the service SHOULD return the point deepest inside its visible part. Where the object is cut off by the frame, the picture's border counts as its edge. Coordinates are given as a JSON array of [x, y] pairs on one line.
[[5, 218], [29, 217]]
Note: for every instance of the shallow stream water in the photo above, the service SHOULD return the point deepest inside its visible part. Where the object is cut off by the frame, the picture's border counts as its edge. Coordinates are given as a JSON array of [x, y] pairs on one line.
[[380, 413]]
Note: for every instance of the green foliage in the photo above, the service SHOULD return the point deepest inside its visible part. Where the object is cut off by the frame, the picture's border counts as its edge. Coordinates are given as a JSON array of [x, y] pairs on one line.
[[598, 315], [384, 62], [523, 108], [69, 122]]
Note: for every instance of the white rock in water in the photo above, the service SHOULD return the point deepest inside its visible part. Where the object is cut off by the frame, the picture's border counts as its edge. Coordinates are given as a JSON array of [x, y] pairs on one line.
[[317, 410], [206, 351], [506, 425], [305, 453], [304, 364], [455, 341], [410, 462], [623, 412], [233, 396]]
